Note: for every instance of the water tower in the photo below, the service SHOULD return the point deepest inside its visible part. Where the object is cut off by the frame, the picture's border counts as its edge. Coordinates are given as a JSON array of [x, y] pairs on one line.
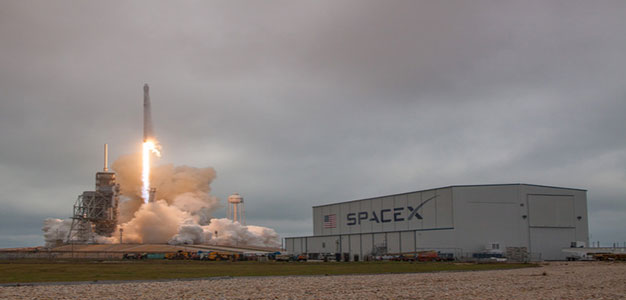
[[236, 211]]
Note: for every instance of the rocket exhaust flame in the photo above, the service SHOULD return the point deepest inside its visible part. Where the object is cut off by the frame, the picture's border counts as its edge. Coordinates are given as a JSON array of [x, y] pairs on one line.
[[149, 147]]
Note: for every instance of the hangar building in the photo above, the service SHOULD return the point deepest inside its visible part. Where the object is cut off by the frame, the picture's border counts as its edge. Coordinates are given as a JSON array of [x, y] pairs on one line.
[[462, 220]]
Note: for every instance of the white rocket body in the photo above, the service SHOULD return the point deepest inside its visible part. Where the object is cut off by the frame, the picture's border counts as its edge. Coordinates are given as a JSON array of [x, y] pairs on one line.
[[147, 115]]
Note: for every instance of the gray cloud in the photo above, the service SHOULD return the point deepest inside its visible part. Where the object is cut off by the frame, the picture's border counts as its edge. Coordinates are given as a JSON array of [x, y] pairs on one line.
[[298, 104]]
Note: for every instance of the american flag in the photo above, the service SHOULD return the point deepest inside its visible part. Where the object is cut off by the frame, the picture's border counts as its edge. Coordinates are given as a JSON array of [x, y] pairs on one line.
[[330, 221]]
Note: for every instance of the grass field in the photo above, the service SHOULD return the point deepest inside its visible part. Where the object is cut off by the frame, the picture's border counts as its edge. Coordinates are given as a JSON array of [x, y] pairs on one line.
[[45, 271]]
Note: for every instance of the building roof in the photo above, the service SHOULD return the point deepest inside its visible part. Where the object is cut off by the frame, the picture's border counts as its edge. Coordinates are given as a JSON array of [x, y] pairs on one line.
[[453, 186]]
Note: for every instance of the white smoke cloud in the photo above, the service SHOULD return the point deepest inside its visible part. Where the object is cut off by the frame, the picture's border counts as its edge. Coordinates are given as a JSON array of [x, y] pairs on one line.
[[182, 215], [226, 232], [189, 232], [154, 222], [263, 236], [55, 230], [193, 203]]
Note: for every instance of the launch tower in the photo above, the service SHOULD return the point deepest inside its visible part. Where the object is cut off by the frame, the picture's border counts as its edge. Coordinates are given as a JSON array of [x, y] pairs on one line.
[[95, 212]]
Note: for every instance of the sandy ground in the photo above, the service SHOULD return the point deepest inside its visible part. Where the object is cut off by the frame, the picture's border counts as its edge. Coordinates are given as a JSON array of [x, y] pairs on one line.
[[579, 280]]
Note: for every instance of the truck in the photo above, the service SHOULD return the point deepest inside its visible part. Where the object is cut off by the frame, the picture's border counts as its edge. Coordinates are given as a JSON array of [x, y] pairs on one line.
[[215, 256], [579, 255], [135, 256], [302, 257], [427, 256], [610, 256], [285, 257], [179, 255]]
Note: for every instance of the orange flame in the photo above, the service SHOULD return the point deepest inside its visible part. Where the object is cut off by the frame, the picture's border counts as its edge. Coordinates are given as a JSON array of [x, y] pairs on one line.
[[149, 147]]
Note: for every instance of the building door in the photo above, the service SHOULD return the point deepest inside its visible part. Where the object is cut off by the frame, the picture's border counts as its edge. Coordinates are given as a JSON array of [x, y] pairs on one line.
[[552, 226]]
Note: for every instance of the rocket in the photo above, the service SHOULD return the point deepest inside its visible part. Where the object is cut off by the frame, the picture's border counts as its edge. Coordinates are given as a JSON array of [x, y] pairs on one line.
[[147, 116]]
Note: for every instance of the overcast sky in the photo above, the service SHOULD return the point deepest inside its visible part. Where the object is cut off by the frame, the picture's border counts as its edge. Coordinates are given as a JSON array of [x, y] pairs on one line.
[[301, 103]]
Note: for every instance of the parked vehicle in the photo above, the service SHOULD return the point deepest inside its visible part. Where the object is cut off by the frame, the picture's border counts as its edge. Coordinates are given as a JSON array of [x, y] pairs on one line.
[[407, 257], [487, 255], [446, 256], [428, 256], [179, 255], [285, 257], [135, 256], [155, 256], [303, 257], [326, 257], [575, 256], [610, 256], [217, 256]]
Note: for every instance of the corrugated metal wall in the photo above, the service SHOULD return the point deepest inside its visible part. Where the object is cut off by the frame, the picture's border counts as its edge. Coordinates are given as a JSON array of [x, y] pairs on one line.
[[385, 214], [459, 219]]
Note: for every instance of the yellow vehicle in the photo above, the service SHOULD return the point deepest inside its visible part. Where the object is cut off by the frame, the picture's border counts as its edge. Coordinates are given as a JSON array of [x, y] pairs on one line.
[[219, 256], [179, 255]]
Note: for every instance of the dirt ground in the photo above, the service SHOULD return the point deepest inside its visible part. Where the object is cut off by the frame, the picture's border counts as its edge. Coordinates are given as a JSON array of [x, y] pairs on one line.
[[558, 280]]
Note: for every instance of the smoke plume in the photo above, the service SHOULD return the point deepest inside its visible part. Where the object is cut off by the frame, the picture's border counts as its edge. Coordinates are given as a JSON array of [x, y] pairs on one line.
[[181, 215], [55, 230], [189, 187], [225, 232]]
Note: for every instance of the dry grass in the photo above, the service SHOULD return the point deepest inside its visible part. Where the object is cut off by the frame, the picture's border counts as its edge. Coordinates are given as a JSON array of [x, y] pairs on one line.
[[38, 271]]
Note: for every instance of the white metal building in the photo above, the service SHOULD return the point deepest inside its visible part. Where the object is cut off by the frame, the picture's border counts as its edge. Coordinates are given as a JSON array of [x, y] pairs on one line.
[[461, 220]]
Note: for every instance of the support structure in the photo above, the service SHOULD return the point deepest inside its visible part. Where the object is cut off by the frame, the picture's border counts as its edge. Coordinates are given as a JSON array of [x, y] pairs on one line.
[[152, 194], [95, 212]]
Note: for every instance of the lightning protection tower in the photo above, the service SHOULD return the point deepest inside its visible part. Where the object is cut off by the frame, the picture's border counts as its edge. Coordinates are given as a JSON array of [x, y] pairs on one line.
[[236, 210]]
